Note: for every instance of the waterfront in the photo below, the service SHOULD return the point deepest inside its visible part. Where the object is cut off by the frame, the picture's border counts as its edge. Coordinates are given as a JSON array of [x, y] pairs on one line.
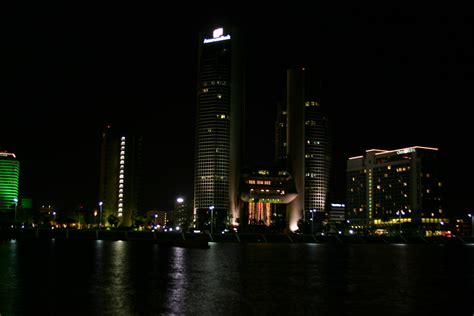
[[128, 278]]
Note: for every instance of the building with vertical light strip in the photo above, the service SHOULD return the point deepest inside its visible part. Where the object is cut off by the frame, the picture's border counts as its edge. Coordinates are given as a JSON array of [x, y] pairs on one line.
[[395, 189], [9, 184], [120, 176], [218, 129]]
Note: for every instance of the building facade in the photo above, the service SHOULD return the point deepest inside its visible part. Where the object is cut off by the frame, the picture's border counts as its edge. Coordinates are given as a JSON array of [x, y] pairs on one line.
[[9, 185], [265, 194], [317, 163], [183, 214], [303, 146], [395, 190], [218, 129], [121, 172]]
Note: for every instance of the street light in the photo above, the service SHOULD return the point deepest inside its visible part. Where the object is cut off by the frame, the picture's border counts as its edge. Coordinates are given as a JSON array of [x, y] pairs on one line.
[[212, 217], [312, 220], [100, 213], [400, 213], [16, 203], [54, 218], [472, 224]]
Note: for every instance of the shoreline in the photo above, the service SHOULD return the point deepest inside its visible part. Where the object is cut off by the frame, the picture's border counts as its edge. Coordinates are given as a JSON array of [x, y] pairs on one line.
[[201, 240]]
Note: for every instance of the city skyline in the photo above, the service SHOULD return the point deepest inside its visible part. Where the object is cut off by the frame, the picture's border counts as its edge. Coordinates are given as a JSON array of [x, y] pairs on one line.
[[391, 78]]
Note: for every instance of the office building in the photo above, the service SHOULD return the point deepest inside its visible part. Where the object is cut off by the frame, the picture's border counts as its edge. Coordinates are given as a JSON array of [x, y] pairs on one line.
[[317, 162], [218, 128], [9, 185], [281, 138], [121, 170], [302, 139], [395, 190], [183, 214]]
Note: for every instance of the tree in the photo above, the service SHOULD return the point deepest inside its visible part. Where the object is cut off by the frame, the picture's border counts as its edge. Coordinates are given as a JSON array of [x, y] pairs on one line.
[[113, 220], [301, 225], [139, 221]]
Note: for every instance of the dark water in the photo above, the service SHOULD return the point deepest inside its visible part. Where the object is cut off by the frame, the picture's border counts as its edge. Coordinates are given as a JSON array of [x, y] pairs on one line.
[[138, 278]]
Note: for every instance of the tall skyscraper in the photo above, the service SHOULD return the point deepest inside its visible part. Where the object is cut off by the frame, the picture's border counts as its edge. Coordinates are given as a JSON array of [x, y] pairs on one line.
[[307, 144], [390, 188], [121, 171], [317, 163], [281, 140], [218, 129], [9, 185]]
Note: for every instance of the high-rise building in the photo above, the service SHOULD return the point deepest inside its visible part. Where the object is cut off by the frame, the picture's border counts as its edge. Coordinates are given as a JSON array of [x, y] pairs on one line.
[[183, 214], [281, 139], [306, 145], [121, 171], [218, 129], [388, 189], [9, 185], [317, 164]]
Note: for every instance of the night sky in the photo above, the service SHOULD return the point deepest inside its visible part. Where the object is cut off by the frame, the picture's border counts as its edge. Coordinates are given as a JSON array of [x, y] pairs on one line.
[[391, 77]]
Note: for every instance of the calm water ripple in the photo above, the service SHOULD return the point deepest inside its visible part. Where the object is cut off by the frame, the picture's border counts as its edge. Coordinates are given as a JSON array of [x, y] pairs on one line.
[[65, 277]]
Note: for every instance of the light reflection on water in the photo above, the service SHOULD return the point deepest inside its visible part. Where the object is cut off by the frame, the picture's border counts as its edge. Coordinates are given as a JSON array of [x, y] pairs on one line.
[[129, 278]]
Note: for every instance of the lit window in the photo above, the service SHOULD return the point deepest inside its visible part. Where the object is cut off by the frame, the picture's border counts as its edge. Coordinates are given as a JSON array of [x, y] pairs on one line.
[[121, 181], [122, 162], [219, 96], [122, 152], [122, 143], [121, 176], [123, 138], [122, 157]]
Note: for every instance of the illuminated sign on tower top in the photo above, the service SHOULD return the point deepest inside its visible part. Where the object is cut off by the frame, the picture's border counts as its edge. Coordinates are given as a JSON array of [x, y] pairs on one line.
[[217, 36]]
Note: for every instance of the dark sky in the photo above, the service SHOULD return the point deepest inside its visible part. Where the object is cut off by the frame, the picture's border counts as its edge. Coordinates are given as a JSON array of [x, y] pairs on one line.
[[391, 77]]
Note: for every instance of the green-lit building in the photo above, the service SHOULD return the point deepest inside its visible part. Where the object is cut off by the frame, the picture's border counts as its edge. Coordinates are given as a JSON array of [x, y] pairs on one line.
[[9, 181]]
